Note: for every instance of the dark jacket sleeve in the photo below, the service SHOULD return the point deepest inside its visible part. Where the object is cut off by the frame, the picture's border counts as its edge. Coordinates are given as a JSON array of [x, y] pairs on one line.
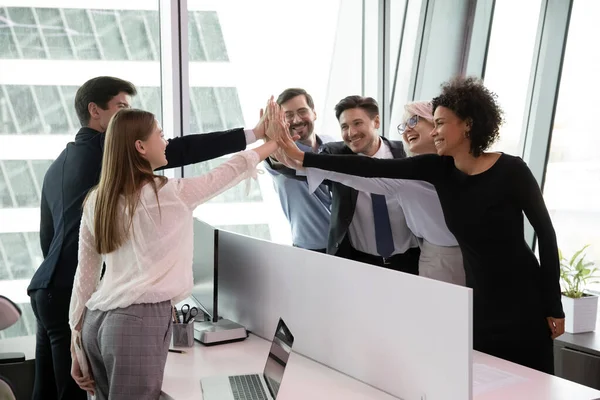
[[532, 202], [46, 226], [192, 149], [279, 168], [426, 167]]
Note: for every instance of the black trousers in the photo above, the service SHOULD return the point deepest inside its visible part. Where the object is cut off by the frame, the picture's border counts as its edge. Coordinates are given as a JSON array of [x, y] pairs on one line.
[[53, 347], [405, 262]]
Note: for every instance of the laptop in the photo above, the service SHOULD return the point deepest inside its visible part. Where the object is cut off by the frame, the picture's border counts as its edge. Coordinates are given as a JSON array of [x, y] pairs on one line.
[[256, 386]]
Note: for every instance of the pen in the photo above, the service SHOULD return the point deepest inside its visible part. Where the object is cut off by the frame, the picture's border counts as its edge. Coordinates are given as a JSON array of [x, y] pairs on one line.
[[174, 312], [177, 351]]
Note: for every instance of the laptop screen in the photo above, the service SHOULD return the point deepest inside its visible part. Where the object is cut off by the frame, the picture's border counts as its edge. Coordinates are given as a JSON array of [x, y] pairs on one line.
[[281, 347]]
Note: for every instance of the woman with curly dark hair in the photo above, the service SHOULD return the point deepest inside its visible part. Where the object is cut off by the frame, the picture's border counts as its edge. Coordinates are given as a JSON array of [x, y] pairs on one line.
[[517, 308]]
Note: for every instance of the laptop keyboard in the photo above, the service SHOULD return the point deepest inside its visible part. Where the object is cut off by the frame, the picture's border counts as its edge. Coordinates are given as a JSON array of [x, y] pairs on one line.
[[247, 387]]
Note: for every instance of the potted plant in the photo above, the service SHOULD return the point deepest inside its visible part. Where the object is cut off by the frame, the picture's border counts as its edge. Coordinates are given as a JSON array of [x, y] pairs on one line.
[[580, 308]]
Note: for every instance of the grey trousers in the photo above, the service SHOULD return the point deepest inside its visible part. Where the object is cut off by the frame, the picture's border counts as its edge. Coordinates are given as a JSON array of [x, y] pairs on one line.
[[127, 350], [441, 263]]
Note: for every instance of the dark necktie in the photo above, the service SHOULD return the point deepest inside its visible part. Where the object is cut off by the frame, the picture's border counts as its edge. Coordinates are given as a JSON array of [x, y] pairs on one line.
[[383, 228]]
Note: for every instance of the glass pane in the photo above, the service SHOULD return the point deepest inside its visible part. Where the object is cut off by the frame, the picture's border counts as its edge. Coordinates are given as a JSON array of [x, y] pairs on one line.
[[21, 183], [21, 99], [82, 34], [149, 99], [26, 30], [572, 185], [7, 123], [39, 170], [55, 33], [107, 28], [327, 62], [39, 107], [16, 252], [141, 47], [209, 25], [236, 194], [55, 118], [508, 66], [7, 43], [6, 199]]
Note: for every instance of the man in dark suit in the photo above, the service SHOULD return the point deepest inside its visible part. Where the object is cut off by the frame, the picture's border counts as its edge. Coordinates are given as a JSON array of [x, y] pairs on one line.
[[67, 182], [365, 227]]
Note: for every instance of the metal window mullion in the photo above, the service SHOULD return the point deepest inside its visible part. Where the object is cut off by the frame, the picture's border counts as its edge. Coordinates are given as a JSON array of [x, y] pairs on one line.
[[11, 110], [13, 34], [420, 50], [397, 63], [122, 32], [544, 89], [96, 35], [383, 56], [41, 32], [175, 99], [63, 18], [9, 188]]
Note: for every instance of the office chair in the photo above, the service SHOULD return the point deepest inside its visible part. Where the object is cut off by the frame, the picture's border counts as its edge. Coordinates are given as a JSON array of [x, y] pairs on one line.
[[9, 315]]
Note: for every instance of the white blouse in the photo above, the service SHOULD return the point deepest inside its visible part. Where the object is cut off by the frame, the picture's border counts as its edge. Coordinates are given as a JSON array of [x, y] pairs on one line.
[[155, 263]]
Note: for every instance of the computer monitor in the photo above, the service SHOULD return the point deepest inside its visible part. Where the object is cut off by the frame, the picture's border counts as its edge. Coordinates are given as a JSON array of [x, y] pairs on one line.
[[206, 267]]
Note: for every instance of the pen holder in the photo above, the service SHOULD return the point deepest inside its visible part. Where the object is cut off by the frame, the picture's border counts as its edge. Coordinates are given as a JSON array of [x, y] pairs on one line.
[[183, 334]]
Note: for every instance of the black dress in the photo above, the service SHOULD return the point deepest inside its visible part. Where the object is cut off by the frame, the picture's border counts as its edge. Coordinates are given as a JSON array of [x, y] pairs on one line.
[[512, 293]]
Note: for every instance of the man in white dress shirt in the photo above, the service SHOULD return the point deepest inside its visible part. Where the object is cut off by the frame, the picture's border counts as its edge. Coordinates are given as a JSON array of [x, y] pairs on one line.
[[364, 227]]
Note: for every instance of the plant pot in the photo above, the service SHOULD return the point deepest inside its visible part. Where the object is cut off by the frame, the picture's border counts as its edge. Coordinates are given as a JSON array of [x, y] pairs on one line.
[[580, 314]]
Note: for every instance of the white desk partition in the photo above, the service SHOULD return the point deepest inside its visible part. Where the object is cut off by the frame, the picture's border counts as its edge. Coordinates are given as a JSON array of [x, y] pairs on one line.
[[406, 335]]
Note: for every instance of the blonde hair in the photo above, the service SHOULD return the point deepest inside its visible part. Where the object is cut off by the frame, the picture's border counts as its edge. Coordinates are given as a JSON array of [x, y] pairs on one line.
[[421, 108], [124, 172]]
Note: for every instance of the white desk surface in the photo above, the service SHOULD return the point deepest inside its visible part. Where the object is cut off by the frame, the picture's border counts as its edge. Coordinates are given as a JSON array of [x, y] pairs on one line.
[[306, 379]]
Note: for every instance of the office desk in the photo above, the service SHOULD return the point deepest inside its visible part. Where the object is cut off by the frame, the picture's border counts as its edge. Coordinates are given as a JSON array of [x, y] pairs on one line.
[[306, 379]]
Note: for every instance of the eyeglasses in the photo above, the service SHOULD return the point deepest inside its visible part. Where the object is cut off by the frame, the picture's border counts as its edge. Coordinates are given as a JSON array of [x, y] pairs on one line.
[[303, 112], [411, 123]]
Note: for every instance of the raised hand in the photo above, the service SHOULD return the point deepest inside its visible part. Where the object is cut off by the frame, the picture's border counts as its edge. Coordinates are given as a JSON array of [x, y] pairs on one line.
[[286, 143], [263, 122], [277, 124]]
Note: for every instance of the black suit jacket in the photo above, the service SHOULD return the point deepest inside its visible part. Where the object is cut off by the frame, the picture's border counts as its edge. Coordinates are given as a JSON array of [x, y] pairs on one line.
[[76, 171], [344, 200]]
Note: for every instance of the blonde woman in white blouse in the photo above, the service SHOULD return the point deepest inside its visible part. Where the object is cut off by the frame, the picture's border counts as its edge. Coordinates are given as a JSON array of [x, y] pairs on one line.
[[140, 225]]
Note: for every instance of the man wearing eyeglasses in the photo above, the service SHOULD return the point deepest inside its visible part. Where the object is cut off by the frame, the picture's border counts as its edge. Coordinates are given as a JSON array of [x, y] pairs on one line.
[[308, 213], [365, 227]]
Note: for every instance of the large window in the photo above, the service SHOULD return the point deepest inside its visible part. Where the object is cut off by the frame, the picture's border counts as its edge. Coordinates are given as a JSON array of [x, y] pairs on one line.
[[46, 53], [508, 69], [254, 59], [572, 186]]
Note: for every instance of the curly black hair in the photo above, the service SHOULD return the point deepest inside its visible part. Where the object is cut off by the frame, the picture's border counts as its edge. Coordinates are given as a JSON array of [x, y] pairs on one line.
[[469, 99]]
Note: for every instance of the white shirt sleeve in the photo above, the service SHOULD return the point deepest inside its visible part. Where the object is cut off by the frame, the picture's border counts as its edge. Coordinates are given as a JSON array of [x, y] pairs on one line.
[[198, 190], [384, 186], [250, 136], [88, 271]]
